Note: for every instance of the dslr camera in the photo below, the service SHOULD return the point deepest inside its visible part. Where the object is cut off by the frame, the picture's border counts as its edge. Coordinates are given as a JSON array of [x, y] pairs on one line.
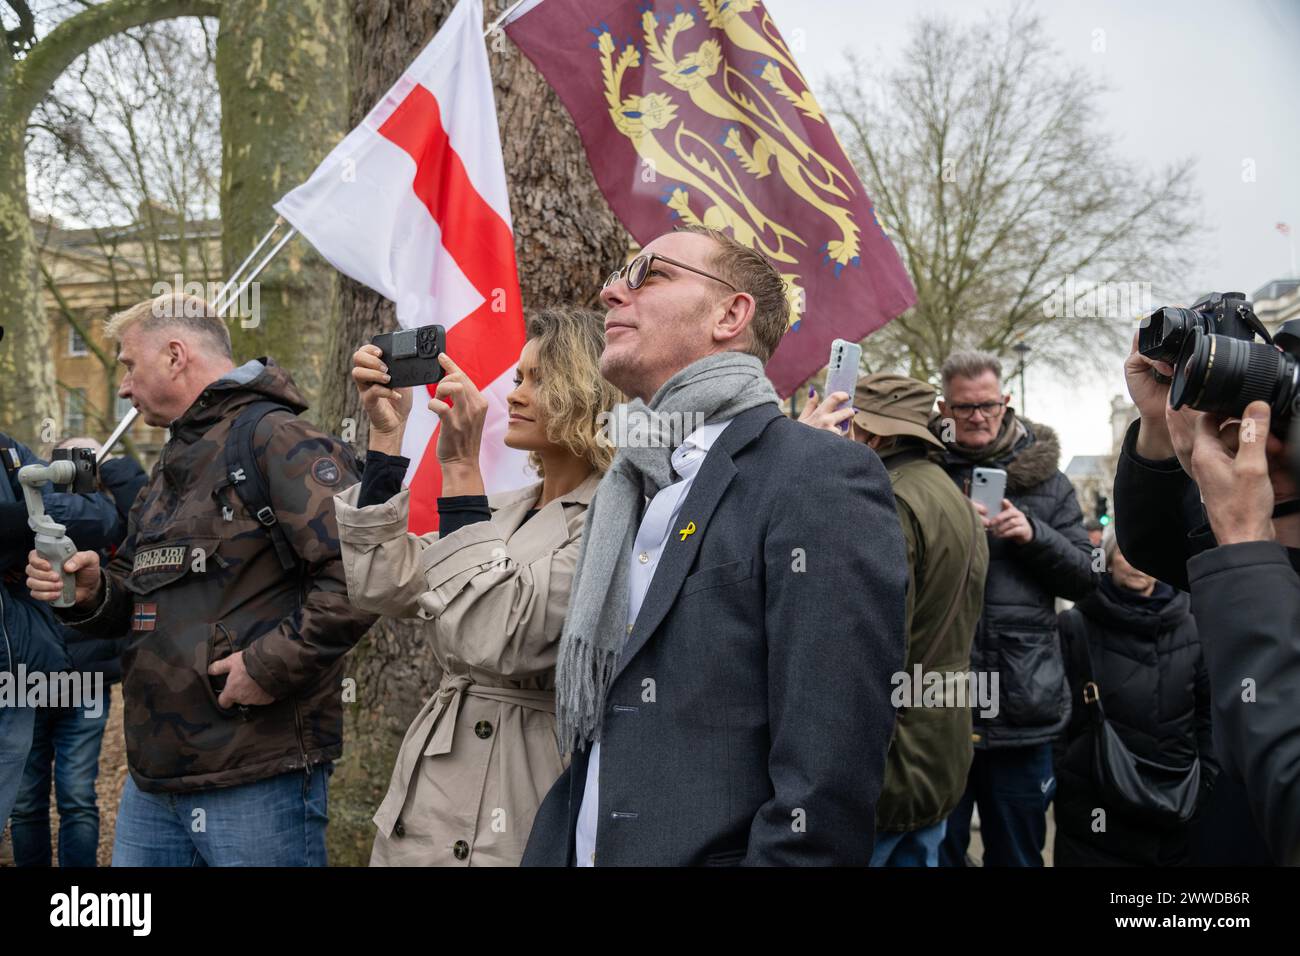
[[412, 355], [85, 479], [1218, 365]]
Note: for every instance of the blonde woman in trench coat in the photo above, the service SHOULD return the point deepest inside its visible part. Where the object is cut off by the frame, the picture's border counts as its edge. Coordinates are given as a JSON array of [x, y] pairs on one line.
[[482, 752]]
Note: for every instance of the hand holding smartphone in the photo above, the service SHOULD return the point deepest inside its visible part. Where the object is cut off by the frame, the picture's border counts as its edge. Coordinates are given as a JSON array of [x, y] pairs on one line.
[[988, 486], [842, 372]]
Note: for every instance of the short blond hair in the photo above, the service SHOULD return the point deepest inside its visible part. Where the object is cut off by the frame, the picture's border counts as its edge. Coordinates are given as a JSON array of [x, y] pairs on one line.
[[173, 310]]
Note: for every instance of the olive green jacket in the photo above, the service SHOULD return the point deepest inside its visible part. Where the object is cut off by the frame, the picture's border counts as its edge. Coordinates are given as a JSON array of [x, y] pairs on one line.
[[925, 772]]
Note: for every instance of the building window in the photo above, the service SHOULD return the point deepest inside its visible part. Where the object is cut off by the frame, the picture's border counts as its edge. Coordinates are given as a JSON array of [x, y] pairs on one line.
[[76, 344], [74, 419]]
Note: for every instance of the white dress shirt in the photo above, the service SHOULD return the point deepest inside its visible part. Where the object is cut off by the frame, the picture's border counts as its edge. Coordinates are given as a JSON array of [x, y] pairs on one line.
[[658, 522]]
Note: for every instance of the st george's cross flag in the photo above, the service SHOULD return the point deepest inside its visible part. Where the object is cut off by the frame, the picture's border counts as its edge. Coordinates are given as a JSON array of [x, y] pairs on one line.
[[698, 113], [413, 204]]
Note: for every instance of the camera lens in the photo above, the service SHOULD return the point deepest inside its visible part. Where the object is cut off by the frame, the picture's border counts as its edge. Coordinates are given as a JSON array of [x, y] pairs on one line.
[[1221, 374], [1164, 332]]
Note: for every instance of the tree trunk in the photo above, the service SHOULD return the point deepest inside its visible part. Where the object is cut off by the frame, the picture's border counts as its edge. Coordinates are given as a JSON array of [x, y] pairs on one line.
[[282, 69], [29, 404], [566, 240]]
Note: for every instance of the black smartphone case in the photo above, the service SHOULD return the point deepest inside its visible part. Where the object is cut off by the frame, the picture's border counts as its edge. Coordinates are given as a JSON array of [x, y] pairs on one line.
[[412, 355]]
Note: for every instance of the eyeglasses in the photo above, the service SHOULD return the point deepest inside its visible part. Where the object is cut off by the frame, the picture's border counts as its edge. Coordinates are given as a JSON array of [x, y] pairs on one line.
[[966, 410], [638, 269]]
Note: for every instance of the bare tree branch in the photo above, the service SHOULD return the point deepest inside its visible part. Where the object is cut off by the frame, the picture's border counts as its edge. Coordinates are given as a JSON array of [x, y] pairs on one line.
[[984, 160]]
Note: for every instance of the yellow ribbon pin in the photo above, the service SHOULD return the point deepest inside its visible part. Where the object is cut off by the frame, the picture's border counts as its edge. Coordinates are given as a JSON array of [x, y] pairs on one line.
[[687, 531]]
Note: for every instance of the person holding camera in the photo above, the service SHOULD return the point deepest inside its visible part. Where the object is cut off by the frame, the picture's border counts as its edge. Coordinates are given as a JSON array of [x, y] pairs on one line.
[[491, 588], [1246, 598], [1038, 551], [1212, 501], [231, 585], [31, 640], [1134, 660], [1161, 524], [66, 740]]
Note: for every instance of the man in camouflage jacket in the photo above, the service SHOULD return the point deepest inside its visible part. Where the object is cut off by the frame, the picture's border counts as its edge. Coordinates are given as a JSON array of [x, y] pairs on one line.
[[232, 676]]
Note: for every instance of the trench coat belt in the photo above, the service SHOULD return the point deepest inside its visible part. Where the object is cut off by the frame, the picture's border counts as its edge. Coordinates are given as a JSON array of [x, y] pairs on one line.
[[439, 724]]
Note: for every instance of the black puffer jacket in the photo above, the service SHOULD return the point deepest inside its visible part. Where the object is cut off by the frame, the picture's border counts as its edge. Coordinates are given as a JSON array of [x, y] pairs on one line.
[[1017, 635], [1146, 660]]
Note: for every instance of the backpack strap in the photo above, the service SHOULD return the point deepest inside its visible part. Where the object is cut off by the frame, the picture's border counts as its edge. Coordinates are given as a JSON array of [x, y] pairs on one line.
[[248, 479]]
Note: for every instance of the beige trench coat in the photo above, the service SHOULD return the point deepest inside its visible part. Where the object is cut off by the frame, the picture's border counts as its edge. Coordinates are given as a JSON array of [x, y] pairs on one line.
[[482, 752]]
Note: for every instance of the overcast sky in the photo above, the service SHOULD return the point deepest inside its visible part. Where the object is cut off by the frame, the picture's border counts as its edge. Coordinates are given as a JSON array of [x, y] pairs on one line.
[[1217, 81]]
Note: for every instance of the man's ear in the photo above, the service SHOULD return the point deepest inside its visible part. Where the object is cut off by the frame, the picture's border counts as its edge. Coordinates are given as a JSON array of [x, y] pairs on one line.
[[178, 356], [1006, 399], [943, 409], [737, 317]]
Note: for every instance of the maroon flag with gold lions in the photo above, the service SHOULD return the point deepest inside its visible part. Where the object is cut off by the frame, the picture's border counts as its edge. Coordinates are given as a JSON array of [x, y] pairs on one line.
[[698, 113]]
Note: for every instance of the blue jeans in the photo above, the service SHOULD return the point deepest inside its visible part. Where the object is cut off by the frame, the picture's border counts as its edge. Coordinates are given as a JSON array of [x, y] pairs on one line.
[[911, 848], [68, 739], [15, 743], [279, 821], [1012, 787]]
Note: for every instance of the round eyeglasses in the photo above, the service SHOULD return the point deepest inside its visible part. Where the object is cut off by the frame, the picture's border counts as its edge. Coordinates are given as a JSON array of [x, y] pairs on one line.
[[638, 269]]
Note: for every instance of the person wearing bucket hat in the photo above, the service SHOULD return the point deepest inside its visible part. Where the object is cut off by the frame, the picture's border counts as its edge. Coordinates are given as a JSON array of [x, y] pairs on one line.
[[925, 770]]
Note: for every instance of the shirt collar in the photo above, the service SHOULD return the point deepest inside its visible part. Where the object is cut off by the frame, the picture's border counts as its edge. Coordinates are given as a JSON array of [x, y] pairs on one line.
[[700, 440], [704, 436]]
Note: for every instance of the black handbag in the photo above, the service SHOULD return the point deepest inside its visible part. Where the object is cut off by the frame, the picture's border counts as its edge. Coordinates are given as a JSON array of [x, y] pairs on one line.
[[1141, 789]]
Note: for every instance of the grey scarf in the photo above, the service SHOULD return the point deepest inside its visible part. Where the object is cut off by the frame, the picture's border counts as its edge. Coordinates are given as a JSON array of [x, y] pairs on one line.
[[712, 389]]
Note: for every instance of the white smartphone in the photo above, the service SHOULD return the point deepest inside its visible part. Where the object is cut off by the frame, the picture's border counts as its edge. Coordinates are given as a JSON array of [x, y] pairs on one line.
[[988, 486], [842, 372]]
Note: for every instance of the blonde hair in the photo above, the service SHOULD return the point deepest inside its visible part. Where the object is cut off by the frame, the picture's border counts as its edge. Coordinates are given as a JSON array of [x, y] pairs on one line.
[[173, 310], [573, 395], [751, 272]]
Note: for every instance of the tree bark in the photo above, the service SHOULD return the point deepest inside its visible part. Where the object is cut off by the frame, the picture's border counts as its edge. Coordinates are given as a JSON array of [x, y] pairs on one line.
[[566, 241], [282, 69], [28, 394]]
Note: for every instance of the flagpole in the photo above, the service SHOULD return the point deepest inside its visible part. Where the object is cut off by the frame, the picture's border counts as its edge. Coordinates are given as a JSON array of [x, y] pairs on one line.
[[234, 277], [257, 271]]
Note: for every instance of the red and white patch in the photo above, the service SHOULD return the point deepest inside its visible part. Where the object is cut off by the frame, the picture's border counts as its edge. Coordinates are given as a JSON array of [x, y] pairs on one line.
[[144, 617]]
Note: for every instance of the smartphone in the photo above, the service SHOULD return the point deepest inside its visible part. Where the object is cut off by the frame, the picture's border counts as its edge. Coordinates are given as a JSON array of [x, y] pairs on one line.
[[842, 372], [988, 486], [412, 355]]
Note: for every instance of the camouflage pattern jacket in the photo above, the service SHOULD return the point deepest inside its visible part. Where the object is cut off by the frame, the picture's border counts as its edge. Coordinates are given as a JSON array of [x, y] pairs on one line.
[[198, 579]]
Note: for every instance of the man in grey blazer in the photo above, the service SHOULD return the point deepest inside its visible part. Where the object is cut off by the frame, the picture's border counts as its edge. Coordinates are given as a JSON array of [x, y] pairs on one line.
[[737, 614]]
